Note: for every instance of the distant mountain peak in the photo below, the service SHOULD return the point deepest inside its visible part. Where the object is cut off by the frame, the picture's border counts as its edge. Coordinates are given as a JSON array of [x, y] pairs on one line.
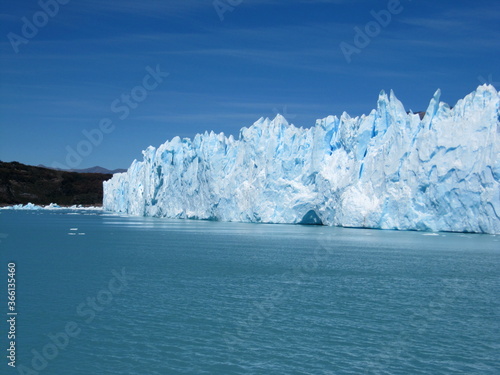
[[96, 169]]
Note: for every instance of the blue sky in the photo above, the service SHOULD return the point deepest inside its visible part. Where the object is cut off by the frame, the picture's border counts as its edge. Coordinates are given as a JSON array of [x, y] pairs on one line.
[[262, 58]]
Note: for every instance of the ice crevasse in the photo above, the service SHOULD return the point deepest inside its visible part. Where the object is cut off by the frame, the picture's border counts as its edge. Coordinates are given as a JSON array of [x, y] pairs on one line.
[[388, 170]]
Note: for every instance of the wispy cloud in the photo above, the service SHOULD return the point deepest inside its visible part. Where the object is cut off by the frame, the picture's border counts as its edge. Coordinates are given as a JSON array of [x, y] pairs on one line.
[[457, 20], [440, 24], [176, 8], [8, 18]]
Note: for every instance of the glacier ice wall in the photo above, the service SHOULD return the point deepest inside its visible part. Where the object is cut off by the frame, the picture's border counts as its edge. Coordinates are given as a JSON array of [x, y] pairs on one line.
[[388, 170]]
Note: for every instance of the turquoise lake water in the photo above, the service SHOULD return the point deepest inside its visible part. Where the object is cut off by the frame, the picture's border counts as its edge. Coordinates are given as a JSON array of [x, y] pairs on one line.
[[105, 294]]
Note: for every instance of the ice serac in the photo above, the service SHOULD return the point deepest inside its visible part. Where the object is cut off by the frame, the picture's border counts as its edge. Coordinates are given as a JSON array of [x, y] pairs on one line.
[[388, 170]]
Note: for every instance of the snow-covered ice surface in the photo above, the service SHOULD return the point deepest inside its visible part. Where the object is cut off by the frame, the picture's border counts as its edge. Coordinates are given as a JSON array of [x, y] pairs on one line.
[[52, 206], [387, 170]]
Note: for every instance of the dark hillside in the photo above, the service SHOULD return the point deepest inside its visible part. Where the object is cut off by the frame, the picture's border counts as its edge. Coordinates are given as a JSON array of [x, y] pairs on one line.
[[20, 183]]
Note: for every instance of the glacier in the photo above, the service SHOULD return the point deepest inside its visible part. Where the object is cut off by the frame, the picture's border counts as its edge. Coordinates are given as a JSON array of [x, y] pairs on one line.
[[389, 169]]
